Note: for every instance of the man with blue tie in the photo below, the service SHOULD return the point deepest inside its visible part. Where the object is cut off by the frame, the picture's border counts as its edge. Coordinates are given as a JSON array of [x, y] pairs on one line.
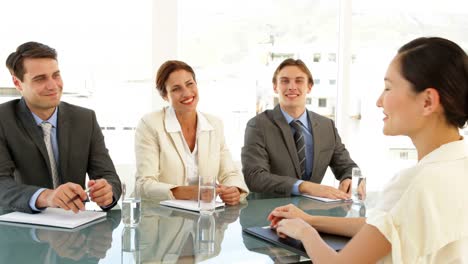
[[288, 149], [46, 146]]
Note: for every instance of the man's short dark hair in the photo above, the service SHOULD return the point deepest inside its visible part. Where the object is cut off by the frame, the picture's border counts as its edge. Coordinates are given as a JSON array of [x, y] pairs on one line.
[[292, 62], [28, 50]]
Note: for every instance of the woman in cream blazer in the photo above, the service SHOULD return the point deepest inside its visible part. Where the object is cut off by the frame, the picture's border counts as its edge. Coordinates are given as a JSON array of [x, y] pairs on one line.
[[175, 145]]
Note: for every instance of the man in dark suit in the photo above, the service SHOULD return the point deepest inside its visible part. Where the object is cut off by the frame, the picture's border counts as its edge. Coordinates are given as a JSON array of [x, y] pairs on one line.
[[48, 146], [270, 158]]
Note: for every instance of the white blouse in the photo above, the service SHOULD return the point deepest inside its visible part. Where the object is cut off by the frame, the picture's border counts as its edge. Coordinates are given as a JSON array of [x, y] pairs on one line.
[[423, 211], [191, 157]]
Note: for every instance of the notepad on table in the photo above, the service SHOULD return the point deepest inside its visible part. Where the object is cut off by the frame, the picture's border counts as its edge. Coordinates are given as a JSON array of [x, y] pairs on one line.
[[327, 200], [190, 205], [54, 217]]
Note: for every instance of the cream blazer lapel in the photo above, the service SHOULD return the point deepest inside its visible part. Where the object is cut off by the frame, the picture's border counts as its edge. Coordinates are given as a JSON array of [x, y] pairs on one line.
[[173, 129], [206, 144], [203, 153]]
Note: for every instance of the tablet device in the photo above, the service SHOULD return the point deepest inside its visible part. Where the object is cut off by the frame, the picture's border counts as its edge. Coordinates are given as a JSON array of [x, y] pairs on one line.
[[268, 234]]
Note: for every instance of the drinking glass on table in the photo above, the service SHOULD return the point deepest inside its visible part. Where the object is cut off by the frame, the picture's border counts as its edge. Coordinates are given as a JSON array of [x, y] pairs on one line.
[[358, 185], [131, 202], [206, 194]]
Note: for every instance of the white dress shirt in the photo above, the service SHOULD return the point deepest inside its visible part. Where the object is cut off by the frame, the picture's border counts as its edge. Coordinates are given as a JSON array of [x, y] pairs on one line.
[[191, 157]]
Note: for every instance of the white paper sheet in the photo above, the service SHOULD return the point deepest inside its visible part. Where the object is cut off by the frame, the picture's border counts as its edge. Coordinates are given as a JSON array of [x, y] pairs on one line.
[[327, 200], [54, 217], [187, 204]]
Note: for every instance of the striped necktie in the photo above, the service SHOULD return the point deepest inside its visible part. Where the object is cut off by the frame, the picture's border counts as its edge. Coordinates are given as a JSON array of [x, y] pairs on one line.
[[46, 128], [300, 145]]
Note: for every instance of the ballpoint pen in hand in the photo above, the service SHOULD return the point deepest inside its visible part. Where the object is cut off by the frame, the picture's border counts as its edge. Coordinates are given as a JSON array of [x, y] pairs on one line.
[[87, 191]]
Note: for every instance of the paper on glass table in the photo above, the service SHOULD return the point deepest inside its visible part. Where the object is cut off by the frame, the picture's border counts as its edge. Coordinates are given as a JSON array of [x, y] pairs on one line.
[[327, 200], [54, 217], [92, 206], [190, 205]]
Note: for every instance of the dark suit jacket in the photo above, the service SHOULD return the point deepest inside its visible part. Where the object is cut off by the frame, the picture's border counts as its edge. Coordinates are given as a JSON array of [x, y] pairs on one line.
[[24, 163], [269, 157]]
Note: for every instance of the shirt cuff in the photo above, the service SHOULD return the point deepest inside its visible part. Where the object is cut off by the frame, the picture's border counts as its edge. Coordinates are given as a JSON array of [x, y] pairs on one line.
[[295, 188], [33, 199], [107, 207], [345, 177]]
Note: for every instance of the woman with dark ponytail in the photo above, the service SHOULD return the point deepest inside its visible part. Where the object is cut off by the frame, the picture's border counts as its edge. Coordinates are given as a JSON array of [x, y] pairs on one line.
[[422, 215]]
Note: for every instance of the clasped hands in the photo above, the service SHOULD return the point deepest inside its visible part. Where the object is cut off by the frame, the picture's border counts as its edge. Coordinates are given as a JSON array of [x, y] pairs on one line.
[[343, 191], [290, 221], [71, 196], [230, 195], [321, 190]]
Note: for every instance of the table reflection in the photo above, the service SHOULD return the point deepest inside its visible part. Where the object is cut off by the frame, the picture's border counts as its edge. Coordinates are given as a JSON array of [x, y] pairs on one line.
[[164, 235], [131, 253], [176, 236], [39, 244]]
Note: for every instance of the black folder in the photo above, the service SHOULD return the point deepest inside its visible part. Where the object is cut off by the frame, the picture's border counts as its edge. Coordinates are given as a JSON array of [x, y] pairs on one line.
[[266, 233]]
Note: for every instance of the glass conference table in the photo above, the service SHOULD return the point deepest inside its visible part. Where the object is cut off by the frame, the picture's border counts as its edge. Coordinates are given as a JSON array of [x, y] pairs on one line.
[[164, 235]]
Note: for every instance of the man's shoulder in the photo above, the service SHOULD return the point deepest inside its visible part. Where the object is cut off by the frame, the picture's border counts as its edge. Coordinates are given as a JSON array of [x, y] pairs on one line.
[[76, 109], [317, 116], [10, 105], [76, 115], [8, 109], [262, 119]]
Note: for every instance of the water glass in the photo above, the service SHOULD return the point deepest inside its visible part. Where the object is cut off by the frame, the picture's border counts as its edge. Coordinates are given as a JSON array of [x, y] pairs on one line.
[[206, 194], [358, 185], [131, 203]]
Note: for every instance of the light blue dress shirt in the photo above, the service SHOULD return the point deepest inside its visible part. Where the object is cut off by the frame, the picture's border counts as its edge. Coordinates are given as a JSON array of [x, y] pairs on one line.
[[309, 141], [52, 120]]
